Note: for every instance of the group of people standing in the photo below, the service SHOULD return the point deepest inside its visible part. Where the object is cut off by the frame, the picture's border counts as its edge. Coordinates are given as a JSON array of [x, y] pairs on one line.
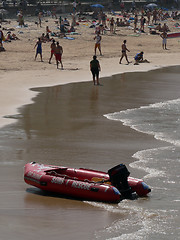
[[56, 50]]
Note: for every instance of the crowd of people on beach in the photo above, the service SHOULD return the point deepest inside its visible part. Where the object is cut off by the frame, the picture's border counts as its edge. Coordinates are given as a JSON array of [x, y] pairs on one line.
[[103, 23]]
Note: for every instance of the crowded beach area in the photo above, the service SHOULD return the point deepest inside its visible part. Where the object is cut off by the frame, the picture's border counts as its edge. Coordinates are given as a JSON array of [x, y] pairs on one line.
[[76, 33], [89, 88]]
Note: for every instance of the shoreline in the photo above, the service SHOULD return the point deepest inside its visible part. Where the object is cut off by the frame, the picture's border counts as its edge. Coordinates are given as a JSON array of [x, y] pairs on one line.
[[21, 92]]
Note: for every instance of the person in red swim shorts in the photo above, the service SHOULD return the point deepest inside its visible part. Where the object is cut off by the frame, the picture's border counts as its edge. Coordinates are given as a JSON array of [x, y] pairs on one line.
[[58, 54], [53, 49]]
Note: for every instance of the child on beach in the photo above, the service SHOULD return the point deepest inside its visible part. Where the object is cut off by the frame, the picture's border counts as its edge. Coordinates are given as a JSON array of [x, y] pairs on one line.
[[98, 43], [95, 68], [38, 49]]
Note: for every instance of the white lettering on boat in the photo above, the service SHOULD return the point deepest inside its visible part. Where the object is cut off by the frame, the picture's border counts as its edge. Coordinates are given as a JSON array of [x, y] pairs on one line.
[[34, 175], [81, 185], [57, 180]]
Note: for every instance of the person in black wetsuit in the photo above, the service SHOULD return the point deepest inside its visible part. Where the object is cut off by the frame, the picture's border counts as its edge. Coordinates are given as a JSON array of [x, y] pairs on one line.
[[95, 68]]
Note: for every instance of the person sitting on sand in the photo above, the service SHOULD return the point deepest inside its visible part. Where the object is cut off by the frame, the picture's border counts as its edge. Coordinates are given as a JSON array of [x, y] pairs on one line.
[[117, 22], [72, 29], [58, 54], [11, 37], [47, 38], [159, 28], [48, 30], [165, 28], [63, 29], [139, 57], [66, 22], [95, 68]]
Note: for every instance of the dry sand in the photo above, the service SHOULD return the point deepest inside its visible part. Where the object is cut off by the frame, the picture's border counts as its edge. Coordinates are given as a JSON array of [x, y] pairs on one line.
[[19, 71]]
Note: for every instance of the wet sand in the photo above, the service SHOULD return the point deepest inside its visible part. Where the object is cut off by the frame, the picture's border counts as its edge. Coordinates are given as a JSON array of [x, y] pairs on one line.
[[66, 126]]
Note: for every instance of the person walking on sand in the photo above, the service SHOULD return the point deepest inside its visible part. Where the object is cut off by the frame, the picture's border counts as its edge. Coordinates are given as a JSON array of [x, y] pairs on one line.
[[59, 52], [38, 47], [95, 68], [124, 54], [135, 23], [53, 49], [98, 39], [164, 40]]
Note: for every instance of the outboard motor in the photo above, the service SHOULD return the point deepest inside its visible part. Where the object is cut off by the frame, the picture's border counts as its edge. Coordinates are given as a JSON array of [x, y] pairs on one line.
[[118, 177]]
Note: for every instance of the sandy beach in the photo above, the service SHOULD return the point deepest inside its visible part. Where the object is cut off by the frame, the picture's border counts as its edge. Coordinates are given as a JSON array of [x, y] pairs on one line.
[[19, 71], [57, 117]]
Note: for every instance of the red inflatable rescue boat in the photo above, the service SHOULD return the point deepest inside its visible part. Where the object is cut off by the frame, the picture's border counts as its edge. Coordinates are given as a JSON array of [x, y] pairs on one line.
[[85, 184]]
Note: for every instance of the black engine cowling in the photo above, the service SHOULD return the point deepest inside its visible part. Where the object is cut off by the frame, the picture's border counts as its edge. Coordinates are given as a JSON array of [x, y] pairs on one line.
[[118, 176]]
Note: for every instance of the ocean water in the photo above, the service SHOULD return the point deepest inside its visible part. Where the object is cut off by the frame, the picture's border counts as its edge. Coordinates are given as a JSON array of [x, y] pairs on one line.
[[80, 125], [159, 216]]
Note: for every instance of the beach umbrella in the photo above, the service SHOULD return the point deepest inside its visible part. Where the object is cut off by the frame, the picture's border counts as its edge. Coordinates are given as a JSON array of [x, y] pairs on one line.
[[152, 5], [97, 6], [3, 11]]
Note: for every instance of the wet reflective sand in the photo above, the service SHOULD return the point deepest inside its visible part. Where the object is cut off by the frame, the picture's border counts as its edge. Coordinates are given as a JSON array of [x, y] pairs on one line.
[[65, 126]]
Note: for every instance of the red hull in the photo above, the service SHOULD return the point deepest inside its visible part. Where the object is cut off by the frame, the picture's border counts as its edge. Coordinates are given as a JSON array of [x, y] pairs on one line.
[[173, 35], [79, 183]]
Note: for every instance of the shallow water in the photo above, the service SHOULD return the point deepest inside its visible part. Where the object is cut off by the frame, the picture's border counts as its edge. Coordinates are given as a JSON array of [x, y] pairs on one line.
[[79, 125]]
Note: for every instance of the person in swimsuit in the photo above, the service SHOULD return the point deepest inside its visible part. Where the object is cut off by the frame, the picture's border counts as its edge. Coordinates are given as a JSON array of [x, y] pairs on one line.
[[95, 68], [112, 25], [124, 49], [58, 54], [135, 22], [38, 49], [98, 43], [164, 40], [53, 49]]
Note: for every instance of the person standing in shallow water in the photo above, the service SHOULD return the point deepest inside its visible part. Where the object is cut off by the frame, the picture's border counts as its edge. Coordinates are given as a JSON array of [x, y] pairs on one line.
[[124, 54], [95, 68], [38, 49]]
